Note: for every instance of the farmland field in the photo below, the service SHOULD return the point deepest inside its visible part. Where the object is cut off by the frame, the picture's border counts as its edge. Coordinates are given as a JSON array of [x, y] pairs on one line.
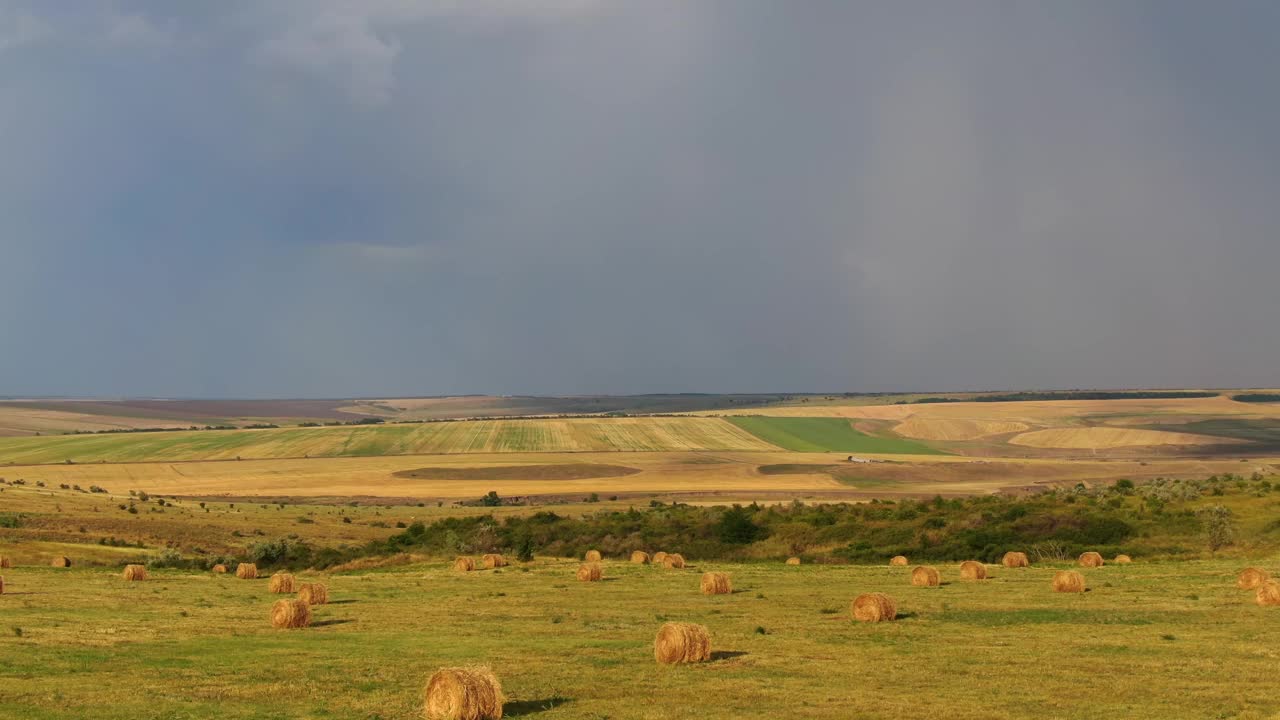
[[479, 436], [823, 434], [83, 643]]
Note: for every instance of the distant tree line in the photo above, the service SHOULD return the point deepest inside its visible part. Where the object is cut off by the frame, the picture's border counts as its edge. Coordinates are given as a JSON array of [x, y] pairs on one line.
[[1257, 397], [1071, 395]]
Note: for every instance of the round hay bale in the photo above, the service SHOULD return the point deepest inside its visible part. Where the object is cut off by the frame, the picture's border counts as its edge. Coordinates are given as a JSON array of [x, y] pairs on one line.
[[5, 562], [464, 693], [282, 582], [135, 572], [464, 564], [593, 556], [63, 562], [1068, 581], [925, 576], [1015, 560], [682, 643], [640, 557], [493, 560], [590, 572], [874, 607], [716, 583], [247, 571], [898, 560], [313, 593], [290, 614], [1122, 560], [1090, 559], [219, 569], [973, 570], [1251, 578], [673, 561], [658, 557], [1268, 594], [793, 561]]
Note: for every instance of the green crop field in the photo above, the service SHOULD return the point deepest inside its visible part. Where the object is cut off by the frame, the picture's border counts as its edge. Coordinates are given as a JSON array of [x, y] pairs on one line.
[[538, 435], [824, 434], [1149, 640]]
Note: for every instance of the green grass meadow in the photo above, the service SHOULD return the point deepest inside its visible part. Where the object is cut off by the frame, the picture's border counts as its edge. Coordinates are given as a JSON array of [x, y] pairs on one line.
[[819, 434], [1149, 640]]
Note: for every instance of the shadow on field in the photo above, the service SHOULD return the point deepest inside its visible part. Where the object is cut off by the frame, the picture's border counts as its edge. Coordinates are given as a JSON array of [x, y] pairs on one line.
[[906, 616], [718, 655], [347, 601], [522, 708], [326, 623]]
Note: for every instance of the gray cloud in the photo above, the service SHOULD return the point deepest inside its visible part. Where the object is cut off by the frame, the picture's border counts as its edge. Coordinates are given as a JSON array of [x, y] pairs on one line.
[[320, 198]]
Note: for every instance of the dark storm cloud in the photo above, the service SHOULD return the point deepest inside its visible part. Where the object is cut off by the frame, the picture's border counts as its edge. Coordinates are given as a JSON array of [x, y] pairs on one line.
[[339, 198]]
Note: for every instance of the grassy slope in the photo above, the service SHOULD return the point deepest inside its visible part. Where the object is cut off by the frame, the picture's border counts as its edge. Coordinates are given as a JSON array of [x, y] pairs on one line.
[[198, 646], [574, 435], [821, 434]]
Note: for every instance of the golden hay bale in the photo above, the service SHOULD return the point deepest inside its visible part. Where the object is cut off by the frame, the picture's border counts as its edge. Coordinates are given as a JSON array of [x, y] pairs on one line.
[[1268, 593], [925, 576], [793, 561], [61, 562], [464, 564], [219, 568], [593, 556], [674, 561], [135, 572], [493, 560], [290, 614], [640, 557], [1122, 560], [464, 693], [716, 583], [658, 557], [313, 593], [590, 572], [247, 571], [1251, 578], [973, 570], [5, 562], [682, 643], [898, 560], [874, 607], [1068, 581], [1090, 559], [1015, 560], [282, 582]]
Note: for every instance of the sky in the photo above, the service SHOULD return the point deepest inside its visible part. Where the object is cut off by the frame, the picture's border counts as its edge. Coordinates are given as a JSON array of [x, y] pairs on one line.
[[335, 198]]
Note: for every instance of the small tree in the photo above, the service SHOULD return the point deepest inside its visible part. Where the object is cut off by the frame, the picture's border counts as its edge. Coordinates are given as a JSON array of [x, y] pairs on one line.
[[1218, 528], [524, 551]]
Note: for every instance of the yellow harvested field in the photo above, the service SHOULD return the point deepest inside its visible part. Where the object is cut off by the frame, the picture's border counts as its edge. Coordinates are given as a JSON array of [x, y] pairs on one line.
[[939, 428], [17, 420], [684, 474], [1111, 437]]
